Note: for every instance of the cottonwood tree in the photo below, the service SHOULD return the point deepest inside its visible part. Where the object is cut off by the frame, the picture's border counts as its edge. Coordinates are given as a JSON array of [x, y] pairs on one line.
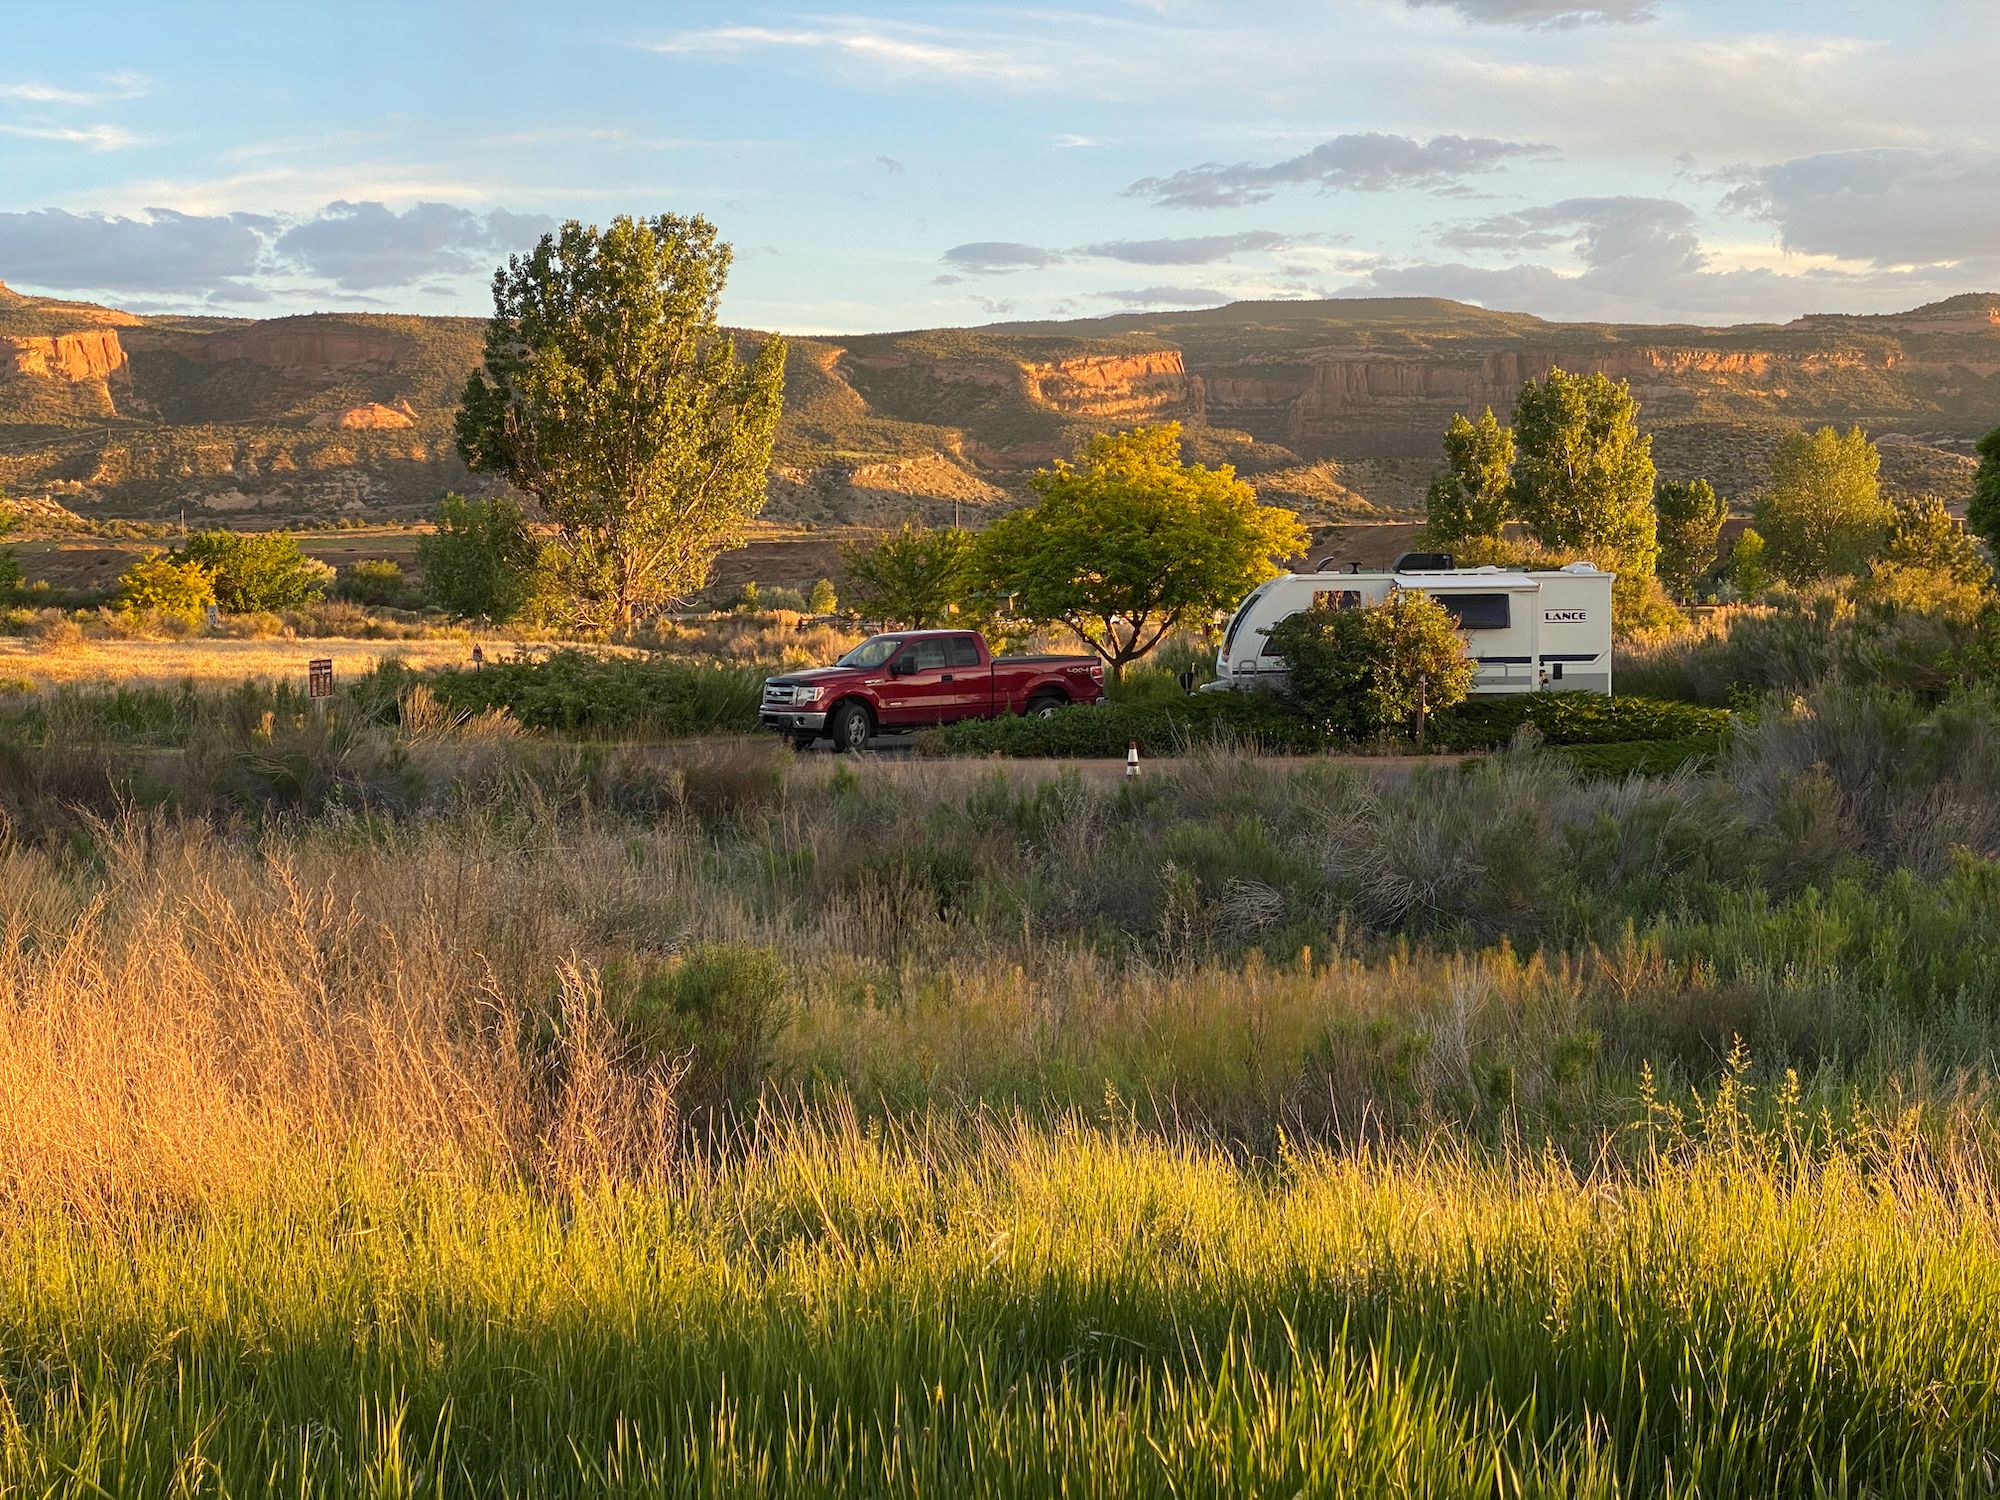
[[914, 577], [164, 585], [1823, 514], [1690, 528], [613, 397], [1583, 473], [1128, 543], [261, 570], [1469, 500]]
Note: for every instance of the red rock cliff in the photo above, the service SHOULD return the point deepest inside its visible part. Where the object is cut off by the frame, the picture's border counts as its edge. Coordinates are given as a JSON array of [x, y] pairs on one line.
[[90, 354]]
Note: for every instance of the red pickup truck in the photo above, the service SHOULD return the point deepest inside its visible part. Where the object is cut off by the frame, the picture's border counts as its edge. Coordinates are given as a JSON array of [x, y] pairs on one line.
[[917, 677]]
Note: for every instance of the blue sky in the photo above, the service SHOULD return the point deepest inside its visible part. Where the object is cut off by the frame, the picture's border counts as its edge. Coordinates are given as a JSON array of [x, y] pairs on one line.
[[884, 165]]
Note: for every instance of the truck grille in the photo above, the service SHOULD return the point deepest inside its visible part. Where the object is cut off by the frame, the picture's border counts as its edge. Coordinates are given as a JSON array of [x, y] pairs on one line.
[[780, 695]]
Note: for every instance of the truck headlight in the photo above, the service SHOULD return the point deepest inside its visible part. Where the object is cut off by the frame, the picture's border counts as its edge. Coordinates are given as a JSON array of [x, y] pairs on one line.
[[805, 694]]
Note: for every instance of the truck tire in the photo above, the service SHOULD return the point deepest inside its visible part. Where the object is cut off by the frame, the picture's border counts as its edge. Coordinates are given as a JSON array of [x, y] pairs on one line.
[[850, 726], [1043, 704]]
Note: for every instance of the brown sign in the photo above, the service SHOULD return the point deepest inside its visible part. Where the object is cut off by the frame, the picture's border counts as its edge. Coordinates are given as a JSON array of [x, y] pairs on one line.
[[319, 677]]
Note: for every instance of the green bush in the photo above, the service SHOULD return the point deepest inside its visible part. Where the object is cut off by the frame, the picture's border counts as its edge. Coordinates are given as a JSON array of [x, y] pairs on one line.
[[257, 570], [376, 581], [1158, 728], [718, 1006], [1573, 719], [159, 583], [580, 692], [1643, 757]]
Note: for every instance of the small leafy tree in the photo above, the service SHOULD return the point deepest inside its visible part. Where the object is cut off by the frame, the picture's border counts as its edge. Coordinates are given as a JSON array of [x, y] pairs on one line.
[[480, 562], [1363, 672], [823, 600], [1749, 573], [372, 580], [914, 577], [749, 599], [1129, 543], [1923, 533], [612, 395], [182, 589], [261, 570], [1823, 514], [1982, 516], [1583, 474], [1469, 500], [1690, 528]]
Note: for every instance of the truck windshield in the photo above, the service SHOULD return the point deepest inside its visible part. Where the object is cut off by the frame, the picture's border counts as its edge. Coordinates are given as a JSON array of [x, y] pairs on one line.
[[871, 652]]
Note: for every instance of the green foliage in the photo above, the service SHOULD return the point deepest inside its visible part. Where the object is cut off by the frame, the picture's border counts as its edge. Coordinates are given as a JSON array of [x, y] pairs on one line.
[[257, 570], [1982, 515], [578, 692], [1923, 533], [611, 395], [1823, 514], [10, 560], [823, 600], [1160, 727], [1690, 527], [749, 598], [376, 581], [1366, 672], [1611, 762], [1471, 497], [157, 582], [479, 564], [915, 578], [1584, 476], [718, 1006], [1488, 721], [1749, 569], [1129, 544]]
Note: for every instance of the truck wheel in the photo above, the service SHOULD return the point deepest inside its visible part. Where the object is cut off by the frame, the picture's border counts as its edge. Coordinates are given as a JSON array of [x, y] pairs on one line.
[[1044, 704], [850, 727]]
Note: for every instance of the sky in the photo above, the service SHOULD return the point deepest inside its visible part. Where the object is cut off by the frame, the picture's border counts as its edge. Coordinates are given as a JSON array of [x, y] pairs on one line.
[[881, 165]]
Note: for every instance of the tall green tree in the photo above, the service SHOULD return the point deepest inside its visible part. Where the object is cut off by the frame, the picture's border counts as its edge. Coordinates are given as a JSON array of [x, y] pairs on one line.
[[1469, 500], [1982, 517], [1129, 543], [1583, 474], [914, 577], [1690, 529], [1822, 514], [1749, 571], [612, 395], [480, 561], [257, 570], [159, 583]]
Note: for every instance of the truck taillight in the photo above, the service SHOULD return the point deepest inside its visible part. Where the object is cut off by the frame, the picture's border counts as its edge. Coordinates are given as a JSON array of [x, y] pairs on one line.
[[1097, 671]]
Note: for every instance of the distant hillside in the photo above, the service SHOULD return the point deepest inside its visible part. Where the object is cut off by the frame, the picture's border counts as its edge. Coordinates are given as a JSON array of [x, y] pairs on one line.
[[1332, 407]]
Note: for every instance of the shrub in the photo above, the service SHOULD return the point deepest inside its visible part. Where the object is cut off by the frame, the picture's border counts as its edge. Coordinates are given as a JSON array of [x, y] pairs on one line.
[[159, 583], [480, 563], [719, 1004], [55, 633], [1169, 728], [1364, 672], [376, 581], [1749, 571], [823, 600], [257, 570], [581, 692], [1489, 721]]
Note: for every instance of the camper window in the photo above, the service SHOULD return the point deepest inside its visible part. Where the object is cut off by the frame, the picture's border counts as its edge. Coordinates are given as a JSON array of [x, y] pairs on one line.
[[1476, 611]]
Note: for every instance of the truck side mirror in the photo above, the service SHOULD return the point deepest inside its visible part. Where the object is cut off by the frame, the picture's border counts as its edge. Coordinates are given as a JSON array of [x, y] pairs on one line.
[[902, 666]]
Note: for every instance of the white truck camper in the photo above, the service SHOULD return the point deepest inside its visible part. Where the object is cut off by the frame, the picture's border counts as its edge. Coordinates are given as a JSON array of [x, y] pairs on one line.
[[1529, 632]]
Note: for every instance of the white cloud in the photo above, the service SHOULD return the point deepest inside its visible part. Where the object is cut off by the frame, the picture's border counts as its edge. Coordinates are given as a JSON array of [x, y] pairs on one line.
[[360, 246], [895, 52], [96, 137], [114, 86], [1889, 206], [1556, 14]]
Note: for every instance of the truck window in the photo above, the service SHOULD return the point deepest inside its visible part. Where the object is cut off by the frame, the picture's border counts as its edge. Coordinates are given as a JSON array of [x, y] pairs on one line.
[[964, 651], [872, 652], [926, 654], [1476, 611]]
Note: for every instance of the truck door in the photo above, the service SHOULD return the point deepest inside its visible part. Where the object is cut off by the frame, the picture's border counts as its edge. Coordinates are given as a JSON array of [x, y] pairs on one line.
[[921, 684], [972, 682]]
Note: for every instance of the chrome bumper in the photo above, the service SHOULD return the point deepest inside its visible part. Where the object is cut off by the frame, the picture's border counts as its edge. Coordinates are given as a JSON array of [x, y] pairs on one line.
[[787, 722]]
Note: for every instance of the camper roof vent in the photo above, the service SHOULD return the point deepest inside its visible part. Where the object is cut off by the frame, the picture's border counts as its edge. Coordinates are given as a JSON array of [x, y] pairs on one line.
[[1423, 562]]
